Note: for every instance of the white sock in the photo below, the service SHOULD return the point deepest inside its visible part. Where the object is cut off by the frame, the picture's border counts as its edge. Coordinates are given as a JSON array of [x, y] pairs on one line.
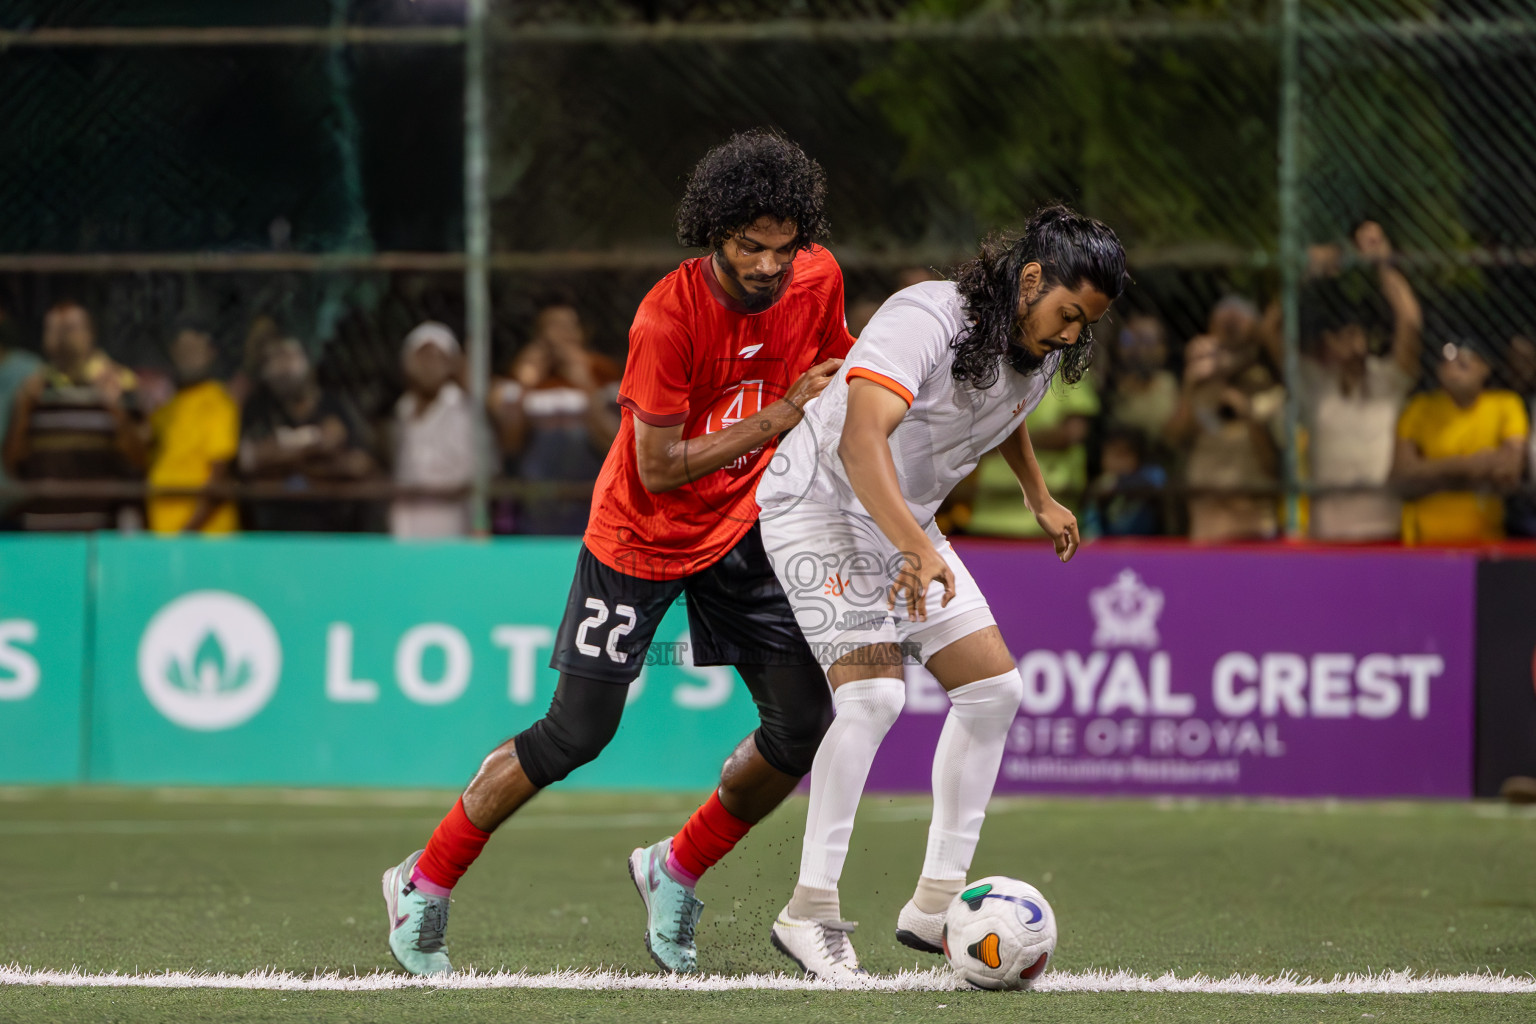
[[965, 765], [934, 895], [866, 709]]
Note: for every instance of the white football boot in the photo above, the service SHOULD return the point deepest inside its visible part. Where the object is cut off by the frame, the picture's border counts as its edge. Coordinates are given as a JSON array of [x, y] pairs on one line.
[[920, 931], [821, 948]]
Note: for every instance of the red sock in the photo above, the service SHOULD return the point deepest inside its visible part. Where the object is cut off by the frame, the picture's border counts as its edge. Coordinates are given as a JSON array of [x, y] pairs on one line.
[[710, 834], [452, 849]]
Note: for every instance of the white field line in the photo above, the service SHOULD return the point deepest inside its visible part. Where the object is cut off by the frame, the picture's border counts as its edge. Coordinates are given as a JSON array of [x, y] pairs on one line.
[[935, 980]]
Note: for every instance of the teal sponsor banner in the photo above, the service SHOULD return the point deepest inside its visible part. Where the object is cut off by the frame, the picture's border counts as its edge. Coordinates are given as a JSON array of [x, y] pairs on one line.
[[43, 642], [361, 661]]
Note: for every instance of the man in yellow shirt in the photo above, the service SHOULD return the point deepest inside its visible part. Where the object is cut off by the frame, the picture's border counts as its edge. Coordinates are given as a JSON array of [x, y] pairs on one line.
[[1456, 449], [196, 438]]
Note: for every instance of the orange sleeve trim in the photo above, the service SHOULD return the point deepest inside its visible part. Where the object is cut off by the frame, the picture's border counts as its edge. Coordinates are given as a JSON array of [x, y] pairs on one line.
[[652, 418], [884, 381]]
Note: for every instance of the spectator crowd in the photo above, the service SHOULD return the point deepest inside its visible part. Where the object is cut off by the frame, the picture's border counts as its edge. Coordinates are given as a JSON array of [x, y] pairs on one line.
[[90, 444], [1400, 435]]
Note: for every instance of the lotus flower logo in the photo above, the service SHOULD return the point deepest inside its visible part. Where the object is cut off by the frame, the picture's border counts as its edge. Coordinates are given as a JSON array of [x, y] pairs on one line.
[[207, 674], [209, 660]]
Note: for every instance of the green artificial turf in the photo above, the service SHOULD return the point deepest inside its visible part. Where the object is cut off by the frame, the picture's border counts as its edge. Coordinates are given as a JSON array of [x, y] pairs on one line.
[[233, 880]]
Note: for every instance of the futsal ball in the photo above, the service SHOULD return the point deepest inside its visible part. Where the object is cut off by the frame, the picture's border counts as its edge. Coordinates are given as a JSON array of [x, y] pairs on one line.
[[999, 933]]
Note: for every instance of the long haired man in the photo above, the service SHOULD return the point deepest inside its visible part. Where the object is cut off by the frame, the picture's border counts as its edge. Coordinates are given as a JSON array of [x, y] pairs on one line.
[[942, 374]]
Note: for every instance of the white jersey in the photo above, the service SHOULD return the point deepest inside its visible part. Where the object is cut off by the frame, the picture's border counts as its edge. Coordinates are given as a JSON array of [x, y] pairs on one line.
[[948, 428]]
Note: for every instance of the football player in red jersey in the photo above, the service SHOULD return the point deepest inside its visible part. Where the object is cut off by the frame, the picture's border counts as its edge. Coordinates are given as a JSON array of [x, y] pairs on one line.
[[724, 354]]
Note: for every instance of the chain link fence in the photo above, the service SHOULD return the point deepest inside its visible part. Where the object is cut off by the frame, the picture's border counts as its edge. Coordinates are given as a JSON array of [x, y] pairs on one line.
[[305, 161]]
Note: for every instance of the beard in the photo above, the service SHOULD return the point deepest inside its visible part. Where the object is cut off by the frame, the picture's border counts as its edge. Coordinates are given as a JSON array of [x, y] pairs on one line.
[[754, 301], [1018, 356]]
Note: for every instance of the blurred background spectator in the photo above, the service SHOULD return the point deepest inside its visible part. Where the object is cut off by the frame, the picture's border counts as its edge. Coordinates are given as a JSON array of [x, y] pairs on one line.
[[75, 420], [16, 366], [1228, 426], [295, 433], [556, 413], [260, 332], [1458, 446], [1127, 498], [1520, 363], [1143, 393], [434, 437], [194, 439], [1358, 371]]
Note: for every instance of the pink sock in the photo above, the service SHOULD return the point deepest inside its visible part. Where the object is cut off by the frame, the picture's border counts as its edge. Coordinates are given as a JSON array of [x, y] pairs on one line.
[[680, 874], [426, 885]]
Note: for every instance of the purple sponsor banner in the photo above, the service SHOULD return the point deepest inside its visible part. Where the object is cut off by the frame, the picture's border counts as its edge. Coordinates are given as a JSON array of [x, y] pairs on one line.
[[1219, 671]]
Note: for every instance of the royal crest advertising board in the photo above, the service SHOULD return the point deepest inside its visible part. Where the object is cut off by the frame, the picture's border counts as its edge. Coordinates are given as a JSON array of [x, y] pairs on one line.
[[1264, 672]]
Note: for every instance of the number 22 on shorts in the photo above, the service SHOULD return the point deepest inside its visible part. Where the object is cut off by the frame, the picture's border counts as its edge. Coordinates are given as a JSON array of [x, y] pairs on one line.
[[618, 631]]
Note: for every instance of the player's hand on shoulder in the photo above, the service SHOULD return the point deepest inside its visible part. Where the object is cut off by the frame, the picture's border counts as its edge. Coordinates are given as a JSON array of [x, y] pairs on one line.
[[812, 383], [1061, 526], [917, 571]]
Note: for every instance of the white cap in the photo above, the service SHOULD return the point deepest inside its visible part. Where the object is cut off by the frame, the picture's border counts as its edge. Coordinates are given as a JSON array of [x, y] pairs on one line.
[[430, 332]]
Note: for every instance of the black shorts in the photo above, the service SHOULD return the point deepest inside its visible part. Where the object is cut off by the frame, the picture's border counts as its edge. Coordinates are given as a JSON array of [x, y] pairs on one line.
[[737, 615]]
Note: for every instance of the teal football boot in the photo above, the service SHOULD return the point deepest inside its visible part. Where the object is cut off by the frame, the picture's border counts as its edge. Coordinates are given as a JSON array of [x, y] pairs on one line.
[[671, 908], [417, 921]]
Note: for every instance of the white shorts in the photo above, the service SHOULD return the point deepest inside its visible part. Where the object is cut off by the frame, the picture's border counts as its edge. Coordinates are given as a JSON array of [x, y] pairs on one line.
[[837, 568]]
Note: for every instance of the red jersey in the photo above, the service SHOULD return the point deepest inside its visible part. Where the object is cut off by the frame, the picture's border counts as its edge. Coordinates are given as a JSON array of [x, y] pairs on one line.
[[696, 357]]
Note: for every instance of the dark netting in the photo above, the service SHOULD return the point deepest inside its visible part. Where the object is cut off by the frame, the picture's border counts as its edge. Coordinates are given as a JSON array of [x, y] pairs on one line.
[[319, 181]]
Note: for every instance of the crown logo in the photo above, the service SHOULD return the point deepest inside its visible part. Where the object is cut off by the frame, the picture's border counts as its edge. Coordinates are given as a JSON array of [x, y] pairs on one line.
[[1125, 612]]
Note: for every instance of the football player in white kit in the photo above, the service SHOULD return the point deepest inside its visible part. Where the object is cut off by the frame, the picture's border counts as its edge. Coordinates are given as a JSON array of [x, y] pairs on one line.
[[944, 372]]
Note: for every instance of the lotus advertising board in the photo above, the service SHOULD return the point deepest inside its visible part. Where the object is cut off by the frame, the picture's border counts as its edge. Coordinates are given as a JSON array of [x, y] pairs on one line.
[[359, 661], [44, 614]]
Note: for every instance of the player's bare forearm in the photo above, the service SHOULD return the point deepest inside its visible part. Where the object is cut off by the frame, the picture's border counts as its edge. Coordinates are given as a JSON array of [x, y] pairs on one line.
[[866, 456], [667, 460], [1055, 519], [1019, 453], [865, 450]]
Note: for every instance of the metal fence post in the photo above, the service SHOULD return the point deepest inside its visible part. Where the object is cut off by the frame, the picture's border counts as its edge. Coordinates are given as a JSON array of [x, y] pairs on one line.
[[477, 292], [1290, 253]]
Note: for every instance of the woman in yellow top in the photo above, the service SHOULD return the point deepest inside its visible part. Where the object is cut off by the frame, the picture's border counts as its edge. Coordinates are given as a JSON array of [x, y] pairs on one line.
[[1457, 448], [196, 438]]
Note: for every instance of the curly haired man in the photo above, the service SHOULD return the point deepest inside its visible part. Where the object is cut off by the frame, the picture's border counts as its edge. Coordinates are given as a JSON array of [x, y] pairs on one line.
[[725, 352]]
